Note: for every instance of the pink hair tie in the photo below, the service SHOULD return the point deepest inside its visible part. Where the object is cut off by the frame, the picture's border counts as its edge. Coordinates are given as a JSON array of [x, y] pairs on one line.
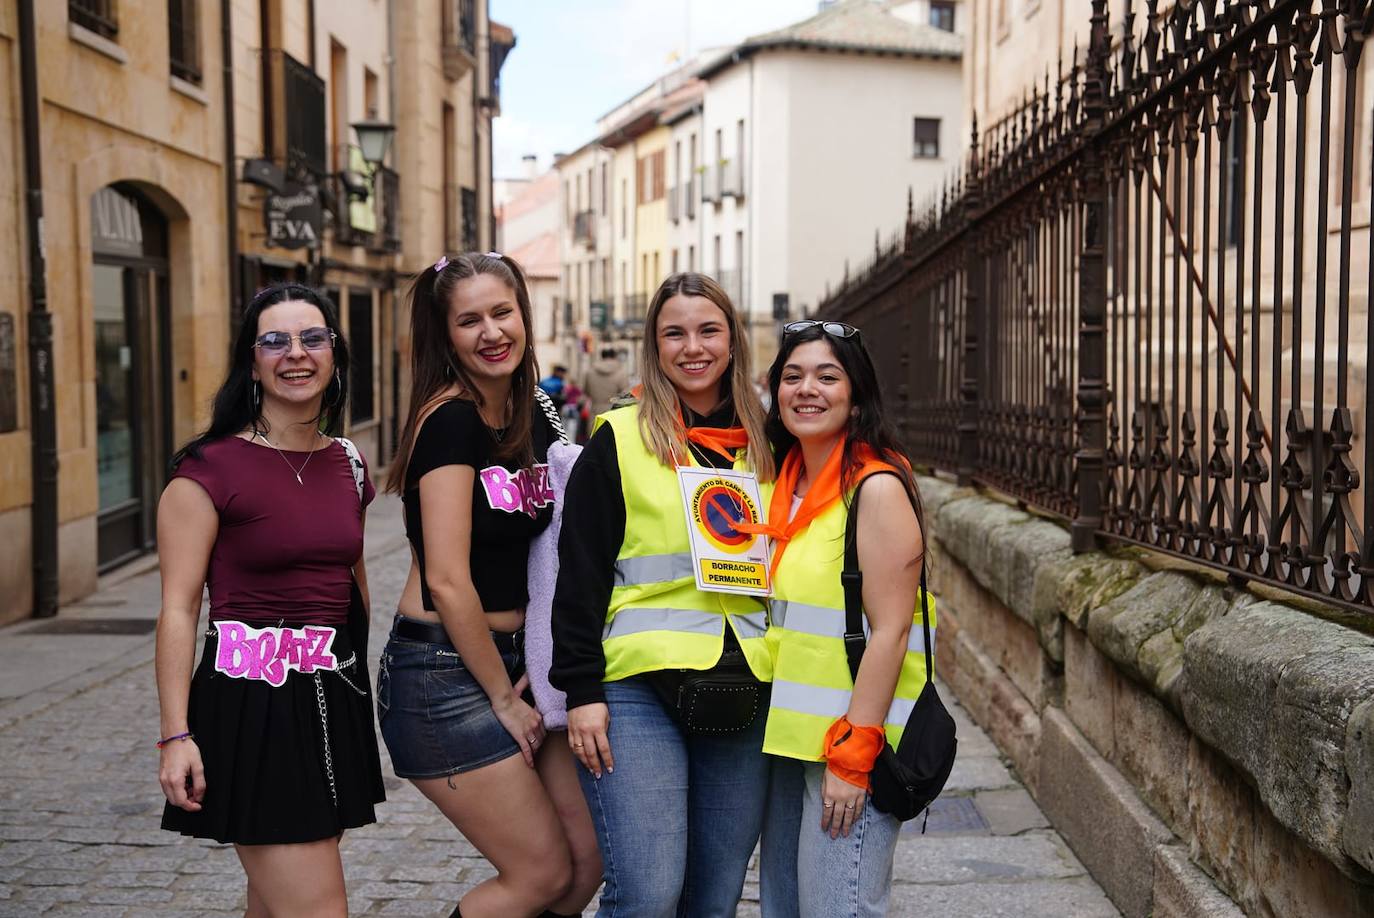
[[441, 264]]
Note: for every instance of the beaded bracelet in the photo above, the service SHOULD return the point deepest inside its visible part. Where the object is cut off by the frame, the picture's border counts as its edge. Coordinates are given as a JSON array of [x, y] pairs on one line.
[[172, 739]]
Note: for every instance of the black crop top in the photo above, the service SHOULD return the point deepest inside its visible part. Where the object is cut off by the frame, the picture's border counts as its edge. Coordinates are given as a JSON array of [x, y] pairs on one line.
[[510, 506]]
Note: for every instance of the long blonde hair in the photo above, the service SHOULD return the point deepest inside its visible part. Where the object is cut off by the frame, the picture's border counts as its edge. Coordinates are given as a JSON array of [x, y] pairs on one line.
[[660, 418]]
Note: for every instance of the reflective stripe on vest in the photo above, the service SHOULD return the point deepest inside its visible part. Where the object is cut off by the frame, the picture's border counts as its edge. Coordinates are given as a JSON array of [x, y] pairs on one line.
[[822, 622], [635, 619], [830, 703], [654, 569], [657, 618], [811, 680]]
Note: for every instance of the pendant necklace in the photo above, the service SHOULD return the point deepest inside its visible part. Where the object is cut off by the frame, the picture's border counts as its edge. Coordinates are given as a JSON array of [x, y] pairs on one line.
[[294, 471]]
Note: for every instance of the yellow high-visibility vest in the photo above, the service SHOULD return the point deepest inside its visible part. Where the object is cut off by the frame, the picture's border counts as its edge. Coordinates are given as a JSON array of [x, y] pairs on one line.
[[658, 619], [811, 681]]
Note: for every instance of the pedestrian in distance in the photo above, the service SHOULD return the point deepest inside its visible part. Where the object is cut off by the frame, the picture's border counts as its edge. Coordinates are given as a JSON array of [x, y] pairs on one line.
[[451, 688], [555, 384], [677, 800], [269, 744], [827, 852], [606, 380]]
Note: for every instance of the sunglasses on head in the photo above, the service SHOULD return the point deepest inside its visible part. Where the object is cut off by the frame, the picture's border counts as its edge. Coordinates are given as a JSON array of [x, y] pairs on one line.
[[276, 343], [837, 329]]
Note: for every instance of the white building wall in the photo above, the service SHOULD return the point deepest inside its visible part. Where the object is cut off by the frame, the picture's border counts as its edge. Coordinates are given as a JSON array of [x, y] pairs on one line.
[[851, 155], [728, 100], [685, 234]]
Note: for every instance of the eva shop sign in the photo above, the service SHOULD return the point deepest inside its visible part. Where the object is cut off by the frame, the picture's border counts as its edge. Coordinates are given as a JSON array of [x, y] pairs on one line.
[[294, 217]]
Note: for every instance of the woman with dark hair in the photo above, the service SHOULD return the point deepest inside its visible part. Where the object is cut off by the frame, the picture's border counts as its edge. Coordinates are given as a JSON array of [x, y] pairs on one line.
[[826, 851], [473, 476], [269, 745], [677, 810]]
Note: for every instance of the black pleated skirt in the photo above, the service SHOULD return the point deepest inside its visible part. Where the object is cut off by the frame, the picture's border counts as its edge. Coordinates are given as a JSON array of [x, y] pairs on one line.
[[283, 765]]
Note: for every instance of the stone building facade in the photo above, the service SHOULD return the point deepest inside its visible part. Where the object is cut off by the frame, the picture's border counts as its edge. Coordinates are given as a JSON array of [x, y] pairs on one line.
[[156, 172]]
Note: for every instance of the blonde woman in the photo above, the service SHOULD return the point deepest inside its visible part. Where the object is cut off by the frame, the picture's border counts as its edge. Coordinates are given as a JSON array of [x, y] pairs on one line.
[[677, 800]]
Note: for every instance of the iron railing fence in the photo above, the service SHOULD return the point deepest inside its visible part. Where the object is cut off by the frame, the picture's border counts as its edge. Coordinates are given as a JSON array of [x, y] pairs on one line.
[[1142, 304]]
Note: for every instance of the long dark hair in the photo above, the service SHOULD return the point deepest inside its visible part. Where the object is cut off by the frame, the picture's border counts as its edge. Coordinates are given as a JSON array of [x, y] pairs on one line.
[[433, 365], [869, 426], [235, 408]]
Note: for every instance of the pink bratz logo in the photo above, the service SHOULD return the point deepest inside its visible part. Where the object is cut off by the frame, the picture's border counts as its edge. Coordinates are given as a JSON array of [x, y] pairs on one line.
[[269, 654], [525, 491]]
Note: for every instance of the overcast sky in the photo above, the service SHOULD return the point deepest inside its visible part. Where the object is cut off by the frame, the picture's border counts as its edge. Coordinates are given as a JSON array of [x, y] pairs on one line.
[[575, 60]]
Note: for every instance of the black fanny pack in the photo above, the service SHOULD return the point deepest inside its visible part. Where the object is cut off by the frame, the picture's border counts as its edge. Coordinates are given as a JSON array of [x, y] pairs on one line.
[[726, 698]]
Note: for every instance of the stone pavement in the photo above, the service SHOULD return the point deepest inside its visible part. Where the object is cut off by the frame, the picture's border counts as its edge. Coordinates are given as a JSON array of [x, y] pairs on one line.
[[80, 804]]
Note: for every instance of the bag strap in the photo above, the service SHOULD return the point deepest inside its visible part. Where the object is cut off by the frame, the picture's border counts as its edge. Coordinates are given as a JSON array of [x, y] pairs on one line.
[[852, 580], [355, 463], [551, 412]]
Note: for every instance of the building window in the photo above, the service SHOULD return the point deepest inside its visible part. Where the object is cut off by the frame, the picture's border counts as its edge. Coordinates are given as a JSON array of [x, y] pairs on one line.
[[183, 27], [942, 14], [469, 200], [605, 192], [624, 197], [360, 353], [927, 138], [100, 16]]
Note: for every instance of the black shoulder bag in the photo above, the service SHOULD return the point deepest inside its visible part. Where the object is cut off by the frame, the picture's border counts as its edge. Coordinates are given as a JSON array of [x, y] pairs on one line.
[[906, 780]]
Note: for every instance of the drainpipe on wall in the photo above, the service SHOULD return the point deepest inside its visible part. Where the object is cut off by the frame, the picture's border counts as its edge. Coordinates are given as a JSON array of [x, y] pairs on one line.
[[231, 194], [42, 409]]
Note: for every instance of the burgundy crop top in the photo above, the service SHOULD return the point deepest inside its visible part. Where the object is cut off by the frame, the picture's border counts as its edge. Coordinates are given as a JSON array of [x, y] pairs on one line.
[[285, 550]]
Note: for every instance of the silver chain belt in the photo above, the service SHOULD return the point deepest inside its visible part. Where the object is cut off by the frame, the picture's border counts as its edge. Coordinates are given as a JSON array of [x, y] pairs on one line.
[[324, 735]]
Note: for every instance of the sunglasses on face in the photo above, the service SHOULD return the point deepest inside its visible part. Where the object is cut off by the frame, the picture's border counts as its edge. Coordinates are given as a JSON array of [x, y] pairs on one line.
[[276, 343], [837, 329]]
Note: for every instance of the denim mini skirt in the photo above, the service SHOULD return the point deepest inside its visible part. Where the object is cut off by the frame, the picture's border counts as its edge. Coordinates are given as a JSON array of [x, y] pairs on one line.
[[436, 719]]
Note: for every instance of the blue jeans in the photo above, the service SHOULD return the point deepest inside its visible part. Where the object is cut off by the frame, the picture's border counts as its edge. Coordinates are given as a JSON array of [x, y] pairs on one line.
[[678, 819], [804, 873]]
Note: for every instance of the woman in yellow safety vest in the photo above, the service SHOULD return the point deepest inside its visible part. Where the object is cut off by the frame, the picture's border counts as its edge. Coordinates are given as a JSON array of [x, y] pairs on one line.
[[666, 683], [826, 851]]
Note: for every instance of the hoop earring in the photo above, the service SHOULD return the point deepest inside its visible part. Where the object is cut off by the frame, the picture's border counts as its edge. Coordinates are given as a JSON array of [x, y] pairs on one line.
[[338, 389], [257, 396]]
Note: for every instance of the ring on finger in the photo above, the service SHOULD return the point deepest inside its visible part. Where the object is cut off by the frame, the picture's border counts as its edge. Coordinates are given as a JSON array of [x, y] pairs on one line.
[[849, 806], [830, 805]]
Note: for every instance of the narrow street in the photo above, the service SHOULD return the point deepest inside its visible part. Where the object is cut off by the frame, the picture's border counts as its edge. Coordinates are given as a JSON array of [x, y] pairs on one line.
[[80, 806]]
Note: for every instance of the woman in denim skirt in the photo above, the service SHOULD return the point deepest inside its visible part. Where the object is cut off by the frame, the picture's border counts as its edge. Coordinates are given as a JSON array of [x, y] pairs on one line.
[[451, 690]]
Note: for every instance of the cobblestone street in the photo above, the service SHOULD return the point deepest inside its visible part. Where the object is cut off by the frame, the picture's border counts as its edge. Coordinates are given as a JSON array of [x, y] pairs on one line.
[[80, 804]]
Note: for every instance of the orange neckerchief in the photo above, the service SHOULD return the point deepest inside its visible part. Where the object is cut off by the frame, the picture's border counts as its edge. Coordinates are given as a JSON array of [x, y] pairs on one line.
[[723, 441], [824, 491]]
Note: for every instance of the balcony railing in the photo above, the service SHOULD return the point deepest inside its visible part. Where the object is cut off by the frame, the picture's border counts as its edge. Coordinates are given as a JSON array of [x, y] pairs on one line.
[[372, 221], [453, 218], [298, 115], [710, 184], [388, 209], [100, 16], [584, 228], [458, 38], [1099, 321], [675, 203], [636, 304], [468, 198], [731, 178]]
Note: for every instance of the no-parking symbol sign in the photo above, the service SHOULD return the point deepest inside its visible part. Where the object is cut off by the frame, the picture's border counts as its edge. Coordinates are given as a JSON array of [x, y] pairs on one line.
[[717, 502]]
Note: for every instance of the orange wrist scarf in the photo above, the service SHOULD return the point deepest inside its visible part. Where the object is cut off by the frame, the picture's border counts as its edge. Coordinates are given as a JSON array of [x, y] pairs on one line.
[[824, 491], [851, 750]]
